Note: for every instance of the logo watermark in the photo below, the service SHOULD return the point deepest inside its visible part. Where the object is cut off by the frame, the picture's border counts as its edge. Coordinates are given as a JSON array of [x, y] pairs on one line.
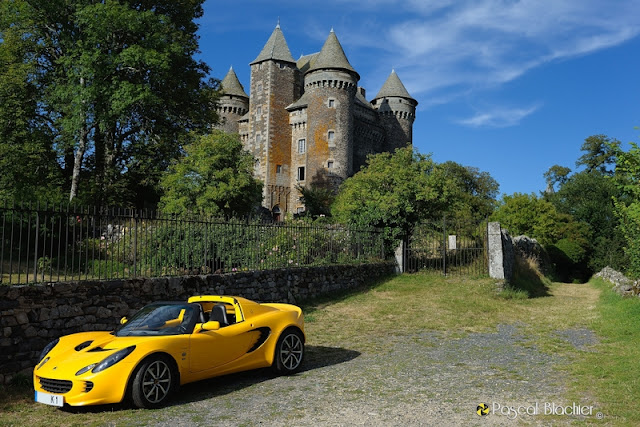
[[548, 408]]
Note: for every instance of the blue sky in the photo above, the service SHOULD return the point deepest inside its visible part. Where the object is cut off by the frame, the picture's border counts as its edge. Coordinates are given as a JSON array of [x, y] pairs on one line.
[[510, 87]]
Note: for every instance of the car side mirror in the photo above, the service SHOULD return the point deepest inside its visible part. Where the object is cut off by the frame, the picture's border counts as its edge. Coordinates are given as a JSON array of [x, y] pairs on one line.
[[123, 320], [211, 326]]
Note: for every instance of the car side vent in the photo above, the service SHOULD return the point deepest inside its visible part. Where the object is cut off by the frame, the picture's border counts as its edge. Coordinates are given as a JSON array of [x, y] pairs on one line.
[[88, 386], [264, 334]]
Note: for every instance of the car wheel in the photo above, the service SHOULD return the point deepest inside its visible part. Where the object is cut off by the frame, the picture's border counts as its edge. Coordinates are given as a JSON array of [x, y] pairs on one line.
[[153, 382], [289, 352]]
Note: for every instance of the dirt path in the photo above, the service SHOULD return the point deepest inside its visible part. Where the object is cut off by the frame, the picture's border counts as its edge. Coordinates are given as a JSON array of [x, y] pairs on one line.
[[417, 379]]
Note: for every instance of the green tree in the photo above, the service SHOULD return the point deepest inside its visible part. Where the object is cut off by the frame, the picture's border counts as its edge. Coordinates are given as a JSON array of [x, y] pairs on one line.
[[526, 214], [117, 86], [627, 204], [589, 198], [472, 192], [215, 176], [556, 175], [395, 191], [28, 163], [600, 154]]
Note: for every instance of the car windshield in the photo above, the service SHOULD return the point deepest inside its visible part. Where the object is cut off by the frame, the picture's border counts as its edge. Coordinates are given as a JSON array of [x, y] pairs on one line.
[[160, 319]]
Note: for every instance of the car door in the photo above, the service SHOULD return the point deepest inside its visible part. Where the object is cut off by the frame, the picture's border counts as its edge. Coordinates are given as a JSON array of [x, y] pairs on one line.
[[212, 349]]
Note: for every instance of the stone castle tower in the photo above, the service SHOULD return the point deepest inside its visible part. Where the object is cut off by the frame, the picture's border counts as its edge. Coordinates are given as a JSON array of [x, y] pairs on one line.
[[307, 123]]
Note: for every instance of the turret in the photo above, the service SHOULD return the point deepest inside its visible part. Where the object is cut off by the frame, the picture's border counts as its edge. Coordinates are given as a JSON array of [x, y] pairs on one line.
[[233, 104], [330, 85], [397, 111]]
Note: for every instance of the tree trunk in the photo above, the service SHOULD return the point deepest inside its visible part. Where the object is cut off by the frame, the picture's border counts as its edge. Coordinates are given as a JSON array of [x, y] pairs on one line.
[[79, 154]]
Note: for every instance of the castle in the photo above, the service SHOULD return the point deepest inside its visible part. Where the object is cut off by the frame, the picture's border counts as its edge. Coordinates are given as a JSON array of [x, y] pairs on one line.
[[307, 123]]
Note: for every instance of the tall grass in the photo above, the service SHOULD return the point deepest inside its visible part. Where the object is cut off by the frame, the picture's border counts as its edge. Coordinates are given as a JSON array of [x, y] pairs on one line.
[[528, 279]]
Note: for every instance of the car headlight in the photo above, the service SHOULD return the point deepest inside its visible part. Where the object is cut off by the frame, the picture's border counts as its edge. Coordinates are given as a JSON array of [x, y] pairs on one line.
[[112, 359], [86, 369], [47, 349]]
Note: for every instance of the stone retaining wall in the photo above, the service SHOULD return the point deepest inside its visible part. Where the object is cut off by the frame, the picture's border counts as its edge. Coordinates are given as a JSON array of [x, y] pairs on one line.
[[622, 285], [33, 315]]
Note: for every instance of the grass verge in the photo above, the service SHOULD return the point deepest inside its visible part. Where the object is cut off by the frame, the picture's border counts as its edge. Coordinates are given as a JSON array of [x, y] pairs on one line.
[[612, 372]]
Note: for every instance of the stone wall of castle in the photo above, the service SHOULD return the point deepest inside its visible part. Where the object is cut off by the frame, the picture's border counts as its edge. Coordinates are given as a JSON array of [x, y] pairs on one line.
[[309, 123]]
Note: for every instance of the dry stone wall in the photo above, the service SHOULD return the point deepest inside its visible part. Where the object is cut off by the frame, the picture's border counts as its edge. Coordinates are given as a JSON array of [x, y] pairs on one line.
[[622, 285], [33, 315]]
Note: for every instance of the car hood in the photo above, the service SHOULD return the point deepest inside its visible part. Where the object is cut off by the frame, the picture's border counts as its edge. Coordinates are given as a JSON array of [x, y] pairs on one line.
[[76, 351]]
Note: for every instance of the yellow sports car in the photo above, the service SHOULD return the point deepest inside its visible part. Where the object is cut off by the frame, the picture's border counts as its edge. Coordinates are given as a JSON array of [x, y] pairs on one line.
[[166, 344]]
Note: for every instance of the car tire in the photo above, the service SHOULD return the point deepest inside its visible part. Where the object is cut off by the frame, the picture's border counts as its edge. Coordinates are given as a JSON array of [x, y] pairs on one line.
[[289, 352], [153, 382]]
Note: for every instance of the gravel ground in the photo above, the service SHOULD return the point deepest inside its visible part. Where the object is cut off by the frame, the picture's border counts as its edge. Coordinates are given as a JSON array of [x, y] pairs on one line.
[[424, 379]]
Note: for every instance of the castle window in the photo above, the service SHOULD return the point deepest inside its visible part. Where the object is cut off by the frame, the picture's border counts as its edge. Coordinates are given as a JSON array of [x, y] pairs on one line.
[[332, 103], [331, 136], [278, 168], [300, 209], [259, 88], [259, 110], [301, 173], [330, 164], [258, 139], [302, 146]]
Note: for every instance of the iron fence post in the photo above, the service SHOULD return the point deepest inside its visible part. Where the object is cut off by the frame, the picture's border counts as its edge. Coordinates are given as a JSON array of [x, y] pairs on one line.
[[444, 244], [35, 249]]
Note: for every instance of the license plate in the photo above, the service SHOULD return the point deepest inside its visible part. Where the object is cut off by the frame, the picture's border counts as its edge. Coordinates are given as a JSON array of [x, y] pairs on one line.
[[49, 399]]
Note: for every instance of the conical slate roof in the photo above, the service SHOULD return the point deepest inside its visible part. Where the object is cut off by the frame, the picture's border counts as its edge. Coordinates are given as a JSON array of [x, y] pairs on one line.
[[332, 57], [393, 87], [275, 49], [232, 86], [304, 62]]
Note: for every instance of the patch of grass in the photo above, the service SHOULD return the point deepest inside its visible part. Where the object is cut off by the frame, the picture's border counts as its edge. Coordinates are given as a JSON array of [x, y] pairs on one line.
[[612, 372], [414, 303]]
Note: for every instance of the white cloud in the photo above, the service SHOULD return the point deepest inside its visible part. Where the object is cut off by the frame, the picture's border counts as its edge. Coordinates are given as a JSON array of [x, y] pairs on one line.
[[499, 117], [489, 42]]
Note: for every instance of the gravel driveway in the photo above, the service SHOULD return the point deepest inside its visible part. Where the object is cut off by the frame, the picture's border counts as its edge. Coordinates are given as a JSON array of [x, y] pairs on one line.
[[424, 379]]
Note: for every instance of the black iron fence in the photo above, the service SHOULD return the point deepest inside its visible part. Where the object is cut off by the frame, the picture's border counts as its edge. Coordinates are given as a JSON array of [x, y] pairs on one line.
[[451, 247], [45, 244]]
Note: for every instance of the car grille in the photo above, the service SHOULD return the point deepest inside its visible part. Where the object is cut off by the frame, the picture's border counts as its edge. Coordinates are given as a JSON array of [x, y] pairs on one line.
[[88, 386], [55, 386]]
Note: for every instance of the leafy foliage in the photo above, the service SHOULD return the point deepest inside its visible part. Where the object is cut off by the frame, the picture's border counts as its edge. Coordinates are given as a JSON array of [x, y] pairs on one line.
[[556, 175], [527, 214], [600, 154], [214, 176], [394, 191], [588, 198], [27, 159], [319, 195], [112, 89], [627, 205], [473, 193]]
